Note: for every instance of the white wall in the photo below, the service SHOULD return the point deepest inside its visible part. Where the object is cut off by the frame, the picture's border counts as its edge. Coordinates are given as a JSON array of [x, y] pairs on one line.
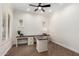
[[32, 23], [64, 27], [6, 44], [0, 24]]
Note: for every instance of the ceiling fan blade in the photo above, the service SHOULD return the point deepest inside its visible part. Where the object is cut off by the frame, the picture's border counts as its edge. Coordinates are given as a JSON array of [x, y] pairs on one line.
[[33, 5], [36, 9], [43, 10], [46, 5]]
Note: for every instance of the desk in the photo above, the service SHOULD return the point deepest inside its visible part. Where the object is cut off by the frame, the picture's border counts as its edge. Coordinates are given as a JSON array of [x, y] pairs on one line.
[[42, 43], [28, 37]]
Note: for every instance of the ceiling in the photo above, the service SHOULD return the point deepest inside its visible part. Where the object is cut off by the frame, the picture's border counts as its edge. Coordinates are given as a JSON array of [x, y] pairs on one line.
[[24, 7]]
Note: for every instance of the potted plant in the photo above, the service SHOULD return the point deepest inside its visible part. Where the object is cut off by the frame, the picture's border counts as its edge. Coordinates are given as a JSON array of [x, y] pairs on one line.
[[19, 33]]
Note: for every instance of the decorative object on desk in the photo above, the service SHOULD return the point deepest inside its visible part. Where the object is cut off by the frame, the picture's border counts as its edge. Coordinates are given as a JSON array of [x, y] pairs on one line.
[[20, 33], [45, 34]]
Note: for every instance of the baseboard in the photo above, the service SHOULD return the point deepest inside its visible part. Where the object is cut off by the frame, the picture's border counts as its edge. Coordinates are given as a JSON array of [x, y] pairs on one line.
[[74, 50]]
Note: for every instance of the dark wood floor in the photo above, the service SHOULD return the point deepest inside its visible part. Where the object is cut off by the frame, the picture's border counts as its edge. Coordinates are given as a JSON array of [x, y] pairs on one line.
[[53, 50]]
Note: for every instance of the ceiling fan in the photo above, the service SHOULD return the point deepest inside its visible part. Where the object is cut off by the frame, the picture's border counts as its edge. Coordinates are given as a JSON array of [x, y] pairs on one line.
[[40, 6]]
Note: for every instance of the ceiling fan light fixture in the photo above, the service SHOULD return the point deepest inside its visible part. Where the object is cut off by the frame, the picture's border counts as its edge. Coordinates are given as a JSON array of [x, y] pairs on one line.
[[39, 8]]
